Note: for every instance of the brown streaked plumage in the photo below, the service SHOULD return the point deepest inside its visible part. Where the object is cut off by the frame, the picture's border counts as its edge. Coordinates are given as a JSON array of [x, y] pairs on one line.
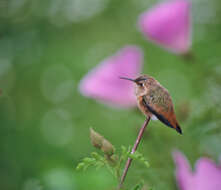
[[154, 99]]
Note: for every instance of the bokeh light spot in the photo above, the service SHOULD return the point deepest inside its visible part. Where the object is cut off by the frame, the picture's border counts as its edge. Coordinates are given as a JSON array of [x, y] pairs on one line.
[[7, 75], [57, 127], [57, 84], [15, 6], [59, 179], [78, 10], [5, 66], [64, 12], [32, 184]]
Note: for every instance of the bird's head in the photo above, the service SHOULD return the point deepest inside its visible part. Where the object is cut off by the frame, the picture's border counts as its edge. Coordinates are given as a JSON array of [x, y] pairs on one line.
[[141, 84]]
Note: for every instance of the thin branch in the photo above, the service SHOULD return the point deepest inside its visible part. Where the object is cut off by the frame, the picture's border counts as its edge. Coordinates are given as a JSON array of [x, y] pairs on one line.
[[128, 163]]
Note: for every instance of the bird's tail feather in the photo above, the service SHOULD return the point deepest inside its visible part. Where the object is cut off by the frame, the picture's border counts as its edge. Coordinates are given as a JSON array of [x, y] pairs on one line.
[[178, 129]]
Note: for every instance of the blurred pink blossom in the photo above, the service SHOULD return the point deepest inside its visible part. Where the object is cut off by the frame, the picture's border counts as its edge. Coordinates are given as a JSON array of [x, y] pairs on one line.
[[207, 175], [103, 83], [169, 25]]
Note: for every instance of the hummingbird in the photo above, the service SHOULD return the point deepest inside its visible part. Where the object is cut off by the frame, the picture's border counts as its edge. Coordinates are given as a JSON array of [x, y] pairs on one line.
[[154, 101]]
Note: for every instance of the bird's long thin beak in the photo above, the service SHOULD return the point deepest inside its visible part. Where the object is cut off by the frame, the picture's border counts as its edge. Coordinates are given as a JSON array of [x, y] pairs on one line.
[[127, 79]]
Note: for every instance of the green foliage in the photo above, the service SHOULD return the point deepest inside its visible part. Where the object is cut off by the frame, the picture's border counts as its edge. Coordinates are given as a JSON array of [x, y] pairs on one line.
[[113, 162], [139, 157], [138, 186], [95, 160]]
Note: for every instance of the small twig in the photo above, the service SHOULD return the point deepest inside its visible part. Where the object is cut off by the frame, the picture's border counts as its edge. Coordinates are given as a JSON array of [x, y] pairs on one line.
[[128, 163]]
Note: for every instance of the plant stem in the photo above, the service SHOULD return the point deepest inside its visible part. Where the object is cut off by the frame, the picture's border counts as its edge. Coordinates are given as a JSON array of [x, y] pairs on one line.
[[128, 163]]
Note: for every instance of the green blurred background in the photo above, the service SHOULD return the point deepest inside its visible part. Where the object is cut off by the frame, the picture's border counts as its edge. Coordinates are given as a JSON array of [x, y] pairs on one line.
[[47, 46]]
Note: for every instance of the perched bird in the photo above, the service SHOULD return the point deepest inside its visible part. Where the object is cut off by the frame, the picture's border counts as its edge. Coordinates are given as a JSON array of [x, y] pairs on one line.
[[154, 100]]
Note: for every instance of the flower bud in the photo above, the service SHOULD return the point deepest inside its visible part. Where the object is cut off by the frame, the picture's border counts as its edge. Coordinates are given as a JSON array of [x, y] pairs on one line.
[[96, 139], [101, 143], [107, 147]]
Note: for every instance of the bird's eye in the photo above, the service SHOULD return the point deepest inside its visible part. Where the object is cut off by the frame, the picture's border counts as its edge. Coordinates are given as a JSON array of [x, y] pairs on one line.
[[141, 84]]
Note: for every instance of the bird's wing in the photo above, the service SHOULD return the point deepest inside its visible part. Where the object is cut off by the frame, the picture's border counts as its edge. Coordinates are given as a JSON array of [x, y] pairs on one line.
[[160, 105]]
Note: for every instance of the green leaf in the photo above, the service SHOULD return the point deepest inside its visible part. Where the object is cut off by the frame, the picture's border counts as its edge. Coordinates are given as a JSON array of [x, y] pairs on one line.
[[80, 166], [88, 160], [139, 157], [146, 164], [95, 155], [138, 186]]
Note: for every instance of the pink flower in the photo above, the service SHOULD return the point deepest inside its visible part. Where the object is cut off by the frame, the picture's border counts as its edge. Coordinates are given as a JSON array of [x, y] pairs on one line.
[[103, 83], [169, 25], [207, 175]]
